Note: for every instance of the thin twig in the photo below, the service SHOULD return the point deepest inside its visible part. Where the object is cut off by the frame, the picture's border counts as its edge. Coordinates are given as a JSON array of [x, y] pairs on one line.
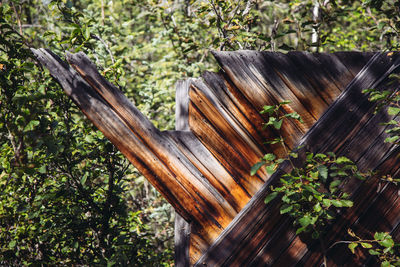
[[105, 45], [18, 18]]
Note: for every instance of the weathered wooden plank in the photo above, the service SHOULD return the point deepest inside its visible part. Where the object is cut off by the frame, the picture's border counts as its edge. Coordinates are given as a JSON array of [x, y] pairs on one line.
[[207, 198], [338, 72], [226, 124], [261, 86], [254, 138], [311, 69], [246, 108], [353, 127], [364, 200], [182, 105], [354, 61], [224, 152], [294, 78], [182, 227], [221, 179], [109, 123], [336, 121], [182, 241]]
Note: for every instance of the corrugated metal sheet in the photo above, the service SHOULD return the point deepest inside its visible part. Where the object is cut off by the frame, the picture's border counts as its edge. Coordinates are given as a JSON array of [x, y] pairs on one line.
[[203, 168]]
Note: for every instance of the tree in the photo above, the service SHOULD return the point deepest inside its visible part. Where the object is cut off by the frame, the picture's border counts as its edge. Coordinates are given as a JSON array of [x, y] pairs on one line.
[[66, 195]]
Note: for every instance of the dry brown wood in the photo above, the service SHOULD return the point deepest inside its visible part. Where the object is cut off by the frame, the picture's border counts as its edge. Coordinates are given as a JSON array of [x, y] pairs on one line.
[[228, 127], [319, 138], [258, 82], [203, 168], [182, 227], [224, 152]]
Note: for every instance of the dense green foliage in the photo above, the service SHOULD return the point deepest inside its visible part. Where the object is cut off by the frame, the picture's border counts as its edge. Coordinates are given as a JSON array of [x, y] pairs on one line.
[[66, 195]]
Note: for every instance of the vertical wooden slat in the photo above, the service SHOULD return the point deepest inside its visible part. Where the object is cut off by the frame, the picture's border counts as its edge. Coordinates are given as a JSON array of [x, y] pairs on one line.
[[182, 227]]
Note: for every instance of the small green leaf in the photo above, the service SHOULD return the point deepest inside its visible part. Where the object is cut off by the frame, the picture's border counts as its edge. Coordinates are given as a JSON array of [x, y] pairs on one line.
[[285, 102], [323, 172], [278, 124], [87, 33], [31, 125], [268, 109], [300, 230], [392, 139], [352, 247], [393, 111], [341, 160], [270, 197], [305, 221], [366, 245], [373, 252], [84, 178], [385, 264], [42, 169], [336, 203], [274, 141], [334, 184], [387, 243], [317, 207], [12, 244], [327, 202], [347, 203], [270, 168], [256, 167], [269, 157], [286, 208], [380, 235]]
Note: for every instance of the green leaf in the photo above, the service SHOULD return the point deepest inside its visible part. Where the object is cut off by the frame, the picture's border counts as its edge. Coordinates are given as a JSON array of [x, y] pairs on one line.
[[31, 125], [323, 172], [352, 247], [12, 244], [341, 160], [293, 115], [286, 208], [285, 102], [393, 111], [84, 178], [269, 157], [86, 34], [334, 184], [327, 202], [387, 243], [385, 264], [278, 124], [317, 207], [379, 236], [347, 203], [300, 230], [270, 197], [256, 167], [268, 109], [373, 252], [305, 221], [366, 245], [336, 203], [270, 168], [392, 139]]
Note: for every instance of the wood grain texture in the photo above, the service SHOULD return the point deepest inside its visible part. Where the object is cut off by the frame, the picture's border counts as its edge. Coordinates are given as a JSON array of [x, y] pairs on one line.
[[341, 129], [203, 167]]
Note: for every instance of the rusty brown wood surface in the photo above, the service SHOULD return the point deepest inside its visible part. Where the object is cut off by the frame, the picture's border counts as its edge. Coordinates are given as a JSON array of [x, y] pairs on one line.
[[260, 236], [203, 167]]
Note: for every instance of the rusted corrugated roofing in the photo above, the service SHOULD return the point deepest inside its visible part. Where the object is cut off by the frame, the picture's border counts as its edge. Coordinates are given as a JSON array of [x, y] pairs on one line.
[[203, 168]]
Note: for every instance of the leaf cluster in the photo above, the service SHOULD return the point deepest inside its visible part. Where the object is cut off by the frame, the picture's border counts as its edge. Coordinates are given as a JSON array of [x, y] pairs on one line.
[[382, 246], [313, 194]]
